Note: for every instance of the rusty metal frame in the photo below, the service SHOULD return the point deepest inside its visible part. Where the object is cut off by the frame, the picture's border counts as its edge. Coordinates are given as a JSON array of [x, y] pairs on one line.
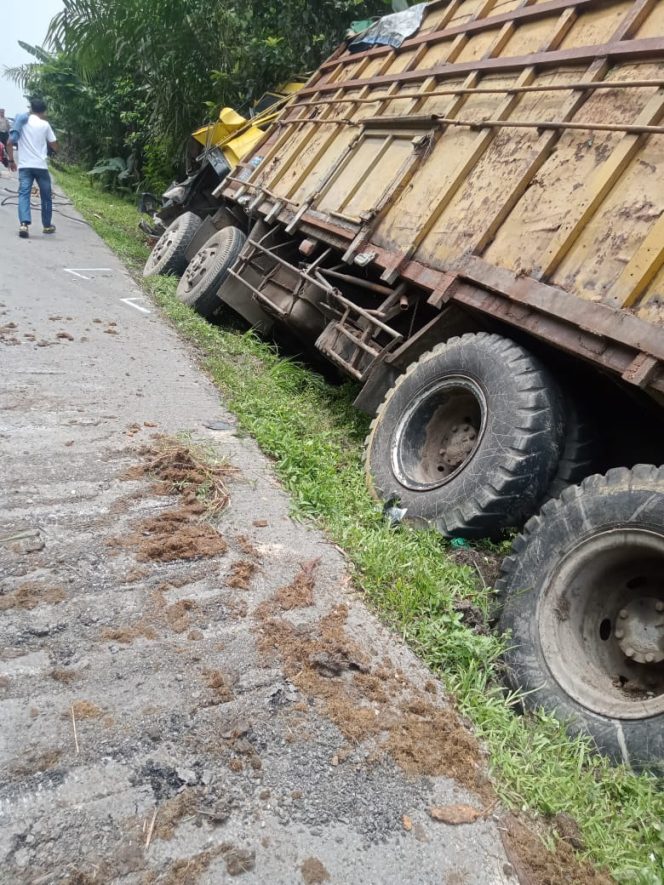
[[522, 15], [483, 90], [633, 51], [427, 121]]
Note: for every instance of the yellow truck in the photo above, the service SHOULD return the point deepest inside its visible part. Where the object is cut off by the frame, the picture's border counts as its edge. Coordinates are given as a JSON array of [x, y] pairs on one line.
[[468, 220]]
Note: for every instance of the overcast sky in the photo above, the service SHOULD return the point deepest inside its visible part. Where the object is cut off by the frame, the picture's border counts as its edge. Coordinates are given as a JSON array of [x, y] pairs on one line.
[[26, 20]]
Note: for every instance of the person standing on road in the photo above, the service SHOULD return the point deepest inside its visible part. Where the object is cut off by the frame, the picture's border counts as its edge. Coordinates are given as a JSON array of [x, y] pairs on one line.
[[4, 128], [33, 137]]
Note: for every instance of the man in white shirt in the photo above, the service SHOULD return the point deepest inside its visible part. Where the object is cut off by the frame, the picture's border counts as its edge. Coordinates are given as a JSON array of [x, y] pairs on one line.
[[33, 137]]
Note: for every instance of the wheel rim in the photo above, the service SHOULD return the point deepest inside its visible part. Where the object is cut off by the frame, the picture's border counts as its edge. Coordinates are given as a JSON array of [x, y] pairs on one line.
[[439, 433], [163, 245], [199, 266], [601, 623]]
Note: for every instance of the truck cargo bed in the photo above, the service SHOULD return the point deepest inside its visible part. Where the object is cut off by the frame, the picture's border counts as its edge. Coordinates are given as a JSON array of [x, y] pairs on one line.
[[507, 158]]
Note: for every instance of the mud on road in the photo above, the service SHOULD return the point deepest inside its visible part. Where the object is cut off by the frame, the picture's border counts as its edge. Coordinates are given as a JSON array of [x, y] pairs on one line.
[[190, 687]]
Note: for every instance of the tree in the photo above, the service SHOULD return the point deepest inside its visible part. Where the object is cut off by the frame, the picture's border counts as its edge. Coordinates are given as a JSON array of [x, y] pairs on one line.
[[139, 75]]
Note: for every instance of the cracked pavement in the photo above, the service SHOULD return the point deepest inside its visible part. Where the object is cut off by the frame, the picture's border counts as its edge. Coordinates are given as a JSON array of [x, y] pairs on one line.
[[158, 723]]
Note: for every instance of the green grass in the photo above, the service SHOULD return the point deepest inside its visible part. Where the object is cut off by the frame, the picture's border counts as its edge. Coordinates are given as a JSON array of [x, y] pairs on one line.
[[314, 437]]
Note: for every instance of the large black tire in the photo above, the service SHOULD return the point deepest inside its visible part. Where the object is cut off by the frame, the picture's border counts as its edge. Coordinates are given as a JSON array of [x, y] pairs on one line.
[[167, 256], [208, 269], [583, 603], [579, 456], [469, 437]]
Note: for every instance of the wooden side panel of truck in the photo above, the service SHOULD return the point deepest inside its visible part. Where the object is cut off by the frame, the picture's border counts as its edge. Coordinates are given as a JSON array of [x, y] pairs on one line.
[[507, 157]]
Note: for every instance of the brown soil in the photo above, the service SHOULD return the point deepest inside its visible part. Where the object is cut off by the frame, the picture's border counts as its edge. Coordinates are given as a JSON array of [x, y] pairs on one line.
[[216, 680], [188, 872], [31, 763], [126, 635], [536, 865], [484, 563], [158, 616], [31, 594], [61, 674], [241, 575], [84, 710], [175, 535], [379, 703], [300, 592], [247, 547], [178, 615], [180, 533], [186, 470], [136, 574], [313, 872], [172, 811]]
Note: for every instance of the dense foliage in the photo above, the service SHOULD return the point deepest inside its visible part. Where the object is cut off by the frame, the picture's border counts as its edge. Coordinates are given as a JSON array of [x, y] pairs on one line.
[[132, 78]]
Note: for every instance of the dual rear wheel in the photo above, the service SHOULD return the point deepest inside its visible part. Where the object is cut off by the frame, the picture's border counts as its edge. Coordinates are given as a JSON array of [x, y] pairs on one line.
[[472, 439]]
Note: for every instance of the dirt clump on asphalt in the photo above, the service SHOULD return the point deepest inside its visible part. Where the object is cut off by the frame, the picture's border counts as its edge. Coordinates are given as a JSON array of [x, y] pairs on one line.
[[127, 635], [314, 872], [136, 574], [178, 615], [247, 547], [215, 679], [300, 592], [8, 334], [84, 710], [31, 594], [241, 575], [62, 674], [174, 535], [34, 762], [186, 871], [185, 470], [181, 533], [376, 703], [189, 870], [158, 618], [172, 811], [238, 860], [534, 864]]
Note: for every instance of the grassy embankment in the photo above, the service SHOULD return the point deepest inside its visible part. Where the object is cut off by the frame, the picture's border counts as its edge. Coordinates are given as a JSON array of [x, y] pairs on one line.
[[310, 430]]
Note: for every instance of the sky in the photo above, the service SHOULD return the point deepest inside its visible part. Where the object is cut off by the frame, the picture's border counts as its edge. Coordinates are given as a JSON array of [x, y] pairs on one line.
[[26, 20]]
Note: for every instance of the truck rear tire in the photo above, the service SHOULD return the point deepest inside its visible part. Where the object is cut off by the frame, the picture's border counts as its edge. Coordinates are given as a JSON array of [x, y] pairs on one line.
[[208, 269], [578, 458], [583, 602], [167, 256], [469, 437]]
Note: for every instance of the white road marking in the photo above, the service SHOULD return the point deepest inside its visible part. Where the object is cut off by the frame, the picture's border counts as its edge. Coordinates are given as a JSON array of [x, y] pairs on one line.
[[75, 271], [130, 302]]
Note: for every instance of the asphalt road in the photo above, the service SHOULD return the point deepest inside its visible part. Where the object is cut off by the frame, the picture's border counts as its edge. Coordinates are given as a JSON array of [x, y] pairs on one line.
[[137, 746]]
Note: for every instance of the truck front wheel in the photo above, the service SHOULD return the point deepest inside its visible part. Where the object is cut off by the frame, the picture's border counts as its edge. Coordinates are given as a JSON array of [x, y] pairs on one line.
[[208, 269], [469, 437], [168, 255], [583, 602]]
